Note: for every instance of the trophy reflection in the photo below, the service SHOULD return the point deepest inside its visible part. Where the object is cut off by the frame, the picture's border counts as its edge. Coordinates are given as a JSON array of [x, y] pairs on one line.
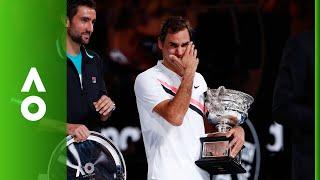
[[225, 108]]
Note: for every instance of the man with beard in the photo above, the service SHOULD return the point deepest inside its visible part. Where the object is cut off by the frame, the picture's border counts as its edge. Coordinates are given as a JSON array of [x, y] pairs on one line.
[[87, 100]]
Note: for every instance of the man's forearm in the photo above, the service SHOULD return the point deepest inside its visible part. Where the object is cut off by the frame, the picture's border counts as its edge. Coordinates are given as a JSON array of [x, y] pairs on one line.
[[180, 103]]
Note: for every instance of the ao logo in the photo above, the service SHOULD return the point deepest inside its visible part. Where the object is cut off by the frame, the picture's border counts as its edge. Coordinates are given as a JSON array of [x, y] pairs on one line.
[[33, 76], [88, 168], [120, 139]]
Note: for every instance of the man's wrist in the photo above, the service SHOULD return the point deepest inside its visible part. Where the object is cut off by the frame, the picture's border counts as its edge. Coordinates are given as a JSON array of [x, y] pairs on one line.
[[188, 75], [105, 117]]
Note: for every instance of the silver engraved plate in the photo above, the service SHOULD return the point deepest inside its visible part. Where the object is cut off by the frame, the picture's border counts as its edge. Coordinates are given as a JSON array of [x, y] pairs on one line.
[[215, 149], [97, 158]]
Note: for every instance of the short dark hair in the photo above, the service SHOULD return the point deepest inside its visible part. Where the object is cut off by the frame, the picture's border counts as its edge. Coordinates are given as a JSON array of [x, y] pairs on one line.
[[174, 24], [72, 6]]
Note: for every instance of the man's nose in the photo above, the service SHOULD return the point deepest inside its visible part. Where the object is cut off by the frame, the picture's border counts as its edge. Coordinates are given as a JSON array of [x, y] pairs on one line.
[[179, 51], [90, 27]]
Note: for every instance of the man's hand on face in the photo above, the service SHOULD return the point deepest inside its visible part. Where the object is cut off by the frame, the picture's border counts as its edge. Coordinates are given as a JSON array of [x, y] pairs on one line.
[[79, 131], [104, 106], [189, 61]]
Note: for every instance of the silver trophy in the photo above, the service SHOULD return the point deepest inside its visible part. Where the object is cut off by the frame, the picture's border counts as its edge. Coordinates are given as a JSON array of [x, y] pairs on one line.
[[225, 108], [93, 159]]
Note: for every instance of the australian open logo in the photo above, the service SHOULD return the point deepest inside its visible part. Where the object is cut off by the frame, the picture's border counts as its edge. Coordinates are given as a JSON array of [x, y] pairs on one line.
[[33, 77], [88, 170], [85, 171]]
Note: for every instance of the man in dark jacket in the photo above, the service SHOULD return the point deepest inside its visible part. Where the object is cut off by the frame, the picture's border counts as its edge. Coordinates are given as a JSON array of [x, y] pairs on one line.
[[87, 102], [293, 103]]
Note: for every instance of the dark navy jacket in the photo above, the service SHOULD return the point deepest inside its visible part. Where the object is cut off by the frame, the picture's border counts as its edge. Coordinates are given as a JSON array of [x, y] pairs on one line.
[[80, 109], [293, 102]]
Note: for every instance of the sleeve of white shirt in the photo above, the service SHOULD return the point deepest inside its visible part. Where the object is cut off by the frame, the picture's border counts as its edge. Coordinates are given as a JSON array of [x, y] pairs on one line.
[[203, 83], [149, 91]]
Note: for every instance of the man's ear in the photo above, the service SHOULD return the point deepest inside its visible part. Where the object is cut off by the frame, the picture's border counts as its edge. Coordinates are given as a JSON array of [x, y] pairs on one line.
[[65, 20], [160, 44]]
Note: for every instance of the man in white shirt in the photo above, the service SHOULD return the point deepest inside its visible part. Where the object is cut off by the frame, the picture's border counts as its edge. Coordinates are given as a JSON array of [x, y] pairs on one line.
[[170, 100]]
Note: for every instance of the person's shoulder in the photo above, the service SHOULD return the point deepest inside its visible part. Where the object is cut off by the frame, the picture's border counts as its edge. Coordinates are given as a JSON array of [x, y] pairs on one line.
[[199, 76], [90, 53], [199, 80], [301, 45], [142, 81], [147, 74], [151, 72]]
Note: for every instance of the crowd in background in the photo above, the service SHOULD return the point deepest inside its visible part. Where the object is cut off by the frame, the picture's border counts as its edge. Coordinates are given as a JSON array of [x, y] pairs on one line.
[[240, 43]]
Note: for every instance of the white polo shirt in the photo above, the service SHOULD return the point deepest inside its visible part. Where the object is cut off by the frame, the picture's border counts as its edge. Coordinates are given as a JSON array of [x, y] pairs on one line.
[[171, 150]]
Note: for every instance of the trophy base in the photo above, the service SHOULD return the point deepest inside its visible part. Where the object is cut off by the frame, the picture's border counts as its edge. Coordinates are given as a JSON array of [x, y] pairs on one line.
[[220, 165]]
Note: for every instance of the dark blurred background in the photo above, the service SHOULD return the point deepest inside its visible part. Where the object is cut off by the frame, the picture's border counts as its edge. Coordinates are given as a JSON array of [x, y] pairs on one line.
[[240, 44]]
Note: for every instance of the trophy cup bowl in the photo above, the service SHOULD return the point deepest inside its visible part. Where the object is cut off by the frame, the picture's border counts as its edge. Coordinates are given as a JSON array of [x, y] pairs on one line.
[[225, 108]]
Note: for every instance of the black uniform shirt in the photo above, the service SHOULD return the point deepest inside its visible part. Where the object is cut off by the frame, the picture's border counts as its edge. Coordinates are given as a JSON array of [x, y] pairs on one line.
[[80, 108]]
